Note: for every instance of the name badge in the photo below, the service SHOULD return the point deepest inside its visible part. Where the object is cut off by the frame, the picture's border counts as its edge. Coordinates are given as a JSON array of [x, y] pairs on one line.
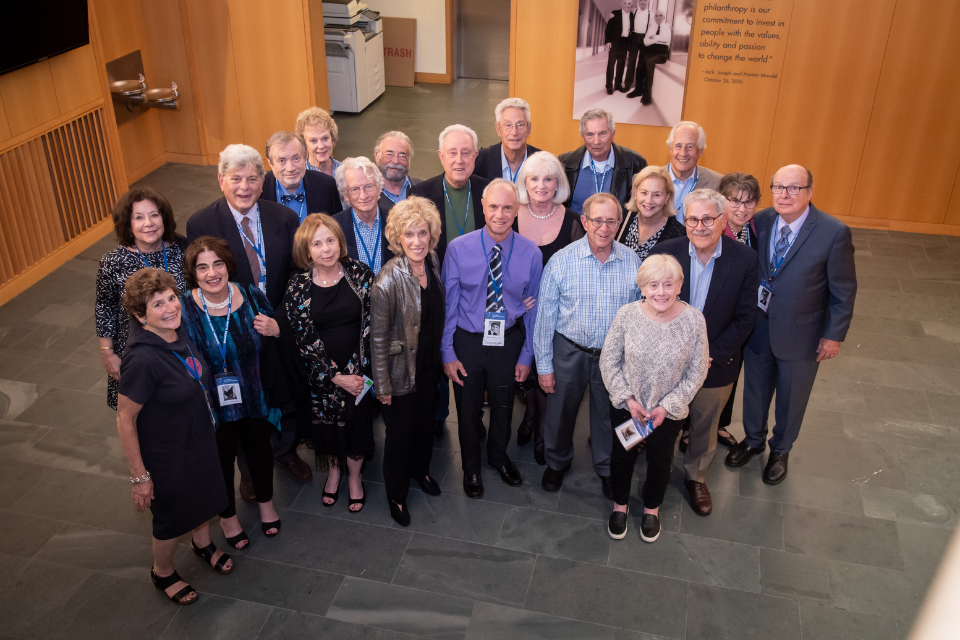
[[494, 327], [228, 389], [764, 293], [263, 283]]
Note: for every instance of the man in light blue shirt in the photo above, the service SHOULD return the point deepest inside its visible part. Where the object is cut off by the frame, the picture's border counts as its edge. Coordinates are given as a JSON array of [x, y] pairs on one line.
[[687, 142], [583, 287]]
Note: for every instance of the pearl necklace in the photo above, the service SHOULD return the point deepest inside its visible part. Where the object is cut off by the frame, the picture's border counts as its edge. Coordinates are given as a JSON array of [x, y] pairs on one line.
[[215, 305], [340, 275], [552, 211]]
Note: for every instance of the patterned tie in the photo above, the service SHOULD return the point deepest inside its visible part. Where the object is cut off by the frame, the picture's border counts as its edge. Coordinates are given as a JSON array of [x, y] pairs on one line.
[[251, 252], [288, 198], [494, 299], [783, 242]]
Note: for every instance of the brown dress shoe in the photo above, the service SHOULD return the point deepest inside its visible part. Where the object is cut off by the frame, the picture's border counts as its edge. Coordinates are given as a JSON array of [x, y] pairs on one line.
[[298, 469], [246, 489], [699, 497]]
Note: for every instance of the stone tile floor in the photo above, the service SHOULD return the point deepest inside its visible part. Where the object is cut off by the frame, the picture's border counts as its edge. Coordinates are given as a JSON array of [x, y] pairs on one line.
[[846, 547]]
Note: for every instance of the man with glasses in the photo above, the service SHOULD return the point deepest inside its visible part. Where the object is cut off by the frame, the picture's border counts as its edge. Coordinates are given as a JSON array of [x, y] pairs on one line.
[[720, 278], [583, 287], [393, 154], [360, 183], [805, 303], [289, 183], [503, 160], [687, 142], [599, 165]]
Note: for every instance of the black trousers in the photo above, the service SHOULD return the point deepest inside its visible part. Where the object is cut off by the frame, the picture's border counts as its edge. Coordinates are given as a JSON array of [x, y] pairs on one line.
[[409, 420], [636, 63], [535, 411], [616, 61], [659, 449], [657, 54], [489, 369], [253, 434]]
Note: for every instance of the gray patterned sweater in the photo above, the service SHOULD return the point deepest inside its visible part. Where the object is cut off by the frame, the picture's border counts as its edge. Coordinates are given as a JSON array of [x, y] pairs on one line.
[[657, 364]]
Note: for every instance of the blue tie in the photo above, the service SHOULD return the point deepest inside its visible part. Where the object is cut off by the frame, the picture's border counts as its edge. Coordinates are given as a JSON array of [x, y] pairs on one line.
[[780, 250], [495, 293]]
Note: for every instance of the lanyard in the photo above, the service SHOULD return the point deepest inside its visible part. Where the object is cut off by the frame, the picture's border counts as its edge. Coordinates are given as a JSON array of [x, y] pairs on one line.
[[513, 176], [257, 247], [302, 204], [376, 247], [226, 327], [776, 267], [680, 194], [194, 372], [465, 213], [598, 183], [503, 272], [163, 247]]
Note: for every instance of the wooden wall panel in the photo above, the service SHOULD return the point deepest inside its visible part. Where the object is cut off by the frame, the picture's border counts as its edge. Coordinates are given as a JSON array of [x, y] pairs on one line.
[[29, 97], [4, 127], [142, 143], [317, 53], [75, 79], [121, 28], [914, 134], [953, 207]]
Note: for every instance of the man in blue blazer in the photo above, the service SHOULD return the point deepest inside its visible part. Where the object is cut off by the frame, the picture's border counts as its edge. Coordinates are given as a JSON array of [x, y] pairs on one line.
[[720, 278], [805, 299]]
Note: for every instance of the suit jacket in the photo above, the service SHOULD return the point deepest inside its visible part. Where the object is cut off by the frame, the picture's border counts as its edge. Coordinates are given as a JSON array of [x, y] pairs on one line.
[[319, 188], [614, 29], [814, 291], [278, 224], [488, 164], [626, 164], [345, 219], [708, 179], [731, 305], [432, 189]]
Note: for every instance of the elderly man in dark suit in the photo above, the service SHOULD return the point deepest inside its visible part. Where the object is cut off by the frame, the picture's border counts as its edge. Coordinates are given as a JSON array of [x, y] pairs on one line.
[[289, 182], [720, 278], [504, 159], [619, 35], [805, 299], [361, 183], [599, 165]]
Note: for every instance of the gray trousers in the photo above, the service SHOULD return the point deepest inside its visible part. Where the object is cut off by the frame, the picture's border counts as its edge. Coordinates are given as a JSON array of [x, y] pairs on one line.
[[574, 370], [705, 410]]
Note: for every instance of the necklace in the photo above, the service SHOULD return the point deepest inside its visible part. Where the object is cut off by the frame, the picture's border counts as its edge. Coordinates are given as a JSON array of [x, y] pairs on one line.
[[552, 211], [422, 274], [334, 281], [215, 305]]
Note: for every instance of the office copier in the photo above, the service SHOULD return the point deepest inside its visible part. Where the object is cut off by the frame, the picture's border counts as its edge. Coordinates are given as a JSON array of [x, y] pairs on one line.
[[354, 45]]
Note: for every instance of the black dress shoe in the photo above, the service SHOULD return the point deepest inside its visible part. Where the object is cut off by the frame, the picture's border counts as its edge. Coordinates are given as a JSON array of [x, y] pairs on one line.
[[776, 469], [510, 474], [429, 486], [622, 89], [438, 429], [607, 487], [646, 100], [635, 94], [552, 480], [726, 440], [473, 486], [524, 436], [617, 524], [609, 91], [401, 516], [741, 454], [538, 456], [649, 527]]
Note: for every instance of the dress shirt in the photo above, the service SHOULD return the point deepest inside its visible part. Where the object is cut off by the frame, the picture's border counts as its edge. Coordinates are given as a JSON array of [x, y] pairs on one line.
[[369, 236], [254, 215], [507, 174], [466, 271], [404, 191], [299, 208], [700, 276], [794, 230], [602, 167], [681, 188], [641, 18], [580, 296], [657, 34], [627, 22]]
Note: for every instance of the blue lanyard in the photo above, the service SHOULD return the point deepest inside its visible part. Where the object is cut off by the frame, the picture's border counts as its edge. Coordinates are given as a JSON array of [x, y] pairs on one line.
[[776, 267], [194, 373], [376, 247], [226, 327], [465, 213], [598, 183], [257, 247], [503, 272], [302, 204], [696, 179], [163, 247], [513, 176]]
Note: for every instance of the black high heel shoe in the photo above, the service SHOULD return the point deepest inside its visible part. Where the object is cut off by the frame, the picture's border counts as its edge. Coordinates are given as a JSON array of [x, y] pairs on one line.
[[334, 496], [428, 485], [266, 526], [359, 501], [239, 541], [207, 554], [401, 516]]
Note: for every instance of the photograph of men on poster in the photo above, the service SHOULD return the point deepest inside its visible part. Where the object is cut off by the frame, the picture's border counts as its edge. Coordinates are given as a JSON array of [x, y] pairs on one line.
[[632, 59]]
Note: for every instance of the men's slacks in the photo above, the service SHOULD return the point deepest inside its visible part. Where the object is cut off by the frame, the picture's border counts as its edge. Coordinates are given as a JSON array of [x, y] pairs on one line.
[[703, 420]]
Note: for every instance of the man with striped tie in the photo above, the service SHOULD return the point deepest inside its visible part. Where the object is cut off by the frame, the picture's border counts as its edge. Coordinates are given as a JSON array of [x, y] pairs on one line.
[[487, 341]]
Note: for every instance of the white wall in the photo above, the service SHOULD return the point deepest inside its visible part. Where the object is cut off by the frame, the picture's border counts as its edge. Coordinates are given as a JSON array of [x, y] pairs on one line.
[[431, 29]]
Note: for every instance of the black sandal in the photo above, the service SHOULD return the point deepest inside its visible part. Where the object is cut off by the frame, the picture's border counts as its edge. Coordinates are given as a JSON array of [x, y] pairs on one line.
[[165, 583], [266, 526], [207, 554], [335, 495], [239, 541], [359, 501]]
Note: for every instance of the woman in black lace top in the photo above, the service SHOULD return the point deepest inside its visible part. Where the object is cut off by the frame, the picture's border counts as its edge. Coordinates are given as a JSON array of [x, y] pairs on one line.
[[650, 217]]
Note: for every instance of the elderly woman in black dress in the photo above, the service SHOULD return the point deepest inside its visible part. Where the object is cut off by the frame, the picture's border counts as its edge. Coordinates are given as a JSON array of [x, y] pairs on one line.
[[328, 308], [407, 314], [650, 218], [167, 431], [146, 230]]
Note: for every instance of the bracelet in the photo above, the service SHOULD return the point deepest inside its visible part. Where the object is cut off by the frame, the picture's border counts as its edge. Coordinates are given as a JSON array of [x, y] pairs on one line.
[[106, 348], [144, 478]]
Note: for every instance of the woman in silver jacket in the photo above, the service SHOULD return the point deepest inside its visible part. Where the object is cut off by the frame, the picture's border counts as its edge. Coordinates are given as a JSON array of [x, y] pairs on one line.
[[406, 318]]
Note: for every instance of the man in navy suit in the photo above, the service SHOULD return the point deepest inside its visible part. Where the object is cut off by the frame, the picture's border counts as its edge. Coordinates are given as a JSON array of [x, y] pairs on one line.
[[289, 182], [805, 300], [361, 184], [504, 159], [720, 278], [619, 35]]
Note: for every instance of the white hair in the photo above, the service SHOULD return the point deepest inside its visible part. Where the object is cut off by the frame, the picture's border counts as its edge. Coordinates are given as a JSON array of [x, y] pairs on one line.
[[543, 163], [360, 162], [512, 103], [462, 129], [394, 134], [597, 114], [706, 195], [238, 156], [701, 139], [499, 182]]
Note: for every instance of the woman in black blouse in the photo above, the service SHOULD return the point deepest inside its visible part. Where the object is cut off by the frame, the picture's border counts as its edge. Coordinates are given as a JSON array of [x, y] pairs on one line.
[[650, 217], [328, 308], [146, 230], [407, 313]]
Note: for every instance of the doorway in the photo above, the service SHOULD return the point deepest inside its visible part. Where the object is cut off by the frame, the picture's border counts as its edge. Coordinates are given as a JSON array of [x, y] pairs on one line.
[[483, 39]]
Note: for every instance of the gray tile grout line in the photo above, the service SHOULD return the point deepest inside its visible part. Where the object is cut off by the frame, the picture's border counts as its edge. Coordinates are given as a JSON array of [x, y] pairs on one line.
[[400, 561]]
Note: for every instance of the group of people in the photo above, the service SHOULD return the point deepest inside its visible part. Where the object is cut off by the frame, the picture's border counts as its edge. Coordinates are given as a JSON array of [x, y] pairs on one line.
[[313, 296], [639, 40]]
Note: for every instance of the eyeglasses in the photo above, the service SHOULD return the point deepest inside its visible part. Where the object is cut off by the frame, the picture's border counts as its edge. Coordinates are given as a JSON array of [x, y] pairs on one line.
[[707, 222], [510, 127], [390, 155], [792, 189], [746, 204], [596, 224], [367, 189]]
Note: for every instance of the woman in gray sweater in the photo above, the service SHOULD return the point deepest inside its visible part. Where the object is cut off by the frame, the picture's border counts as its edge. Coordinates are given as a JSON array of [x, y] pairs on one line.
[[654, 360]]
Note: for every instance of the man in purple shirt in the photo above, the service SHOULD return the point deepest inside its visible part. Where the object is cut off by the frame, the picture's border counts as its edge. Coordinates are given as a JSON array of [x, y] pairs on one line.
[[488, 334]]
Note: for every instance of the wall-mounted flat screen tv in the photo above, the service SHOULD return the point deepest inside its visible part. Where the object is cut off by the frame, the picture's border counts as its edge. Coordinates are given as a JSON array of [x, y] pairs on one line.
[[34, 30]]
